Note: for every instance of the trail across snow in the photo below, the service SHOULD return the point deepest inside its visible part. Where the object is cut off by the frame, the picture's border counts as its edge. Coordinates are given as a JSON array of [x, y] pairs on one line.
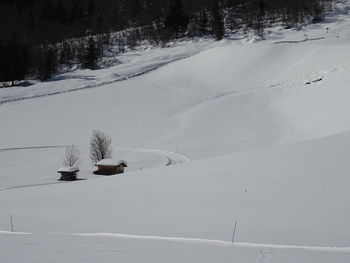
[[46, 93], [173, 157], [15, 162], [108, 247], [345, 250], [337, 250], [132, 64], [265, 125]]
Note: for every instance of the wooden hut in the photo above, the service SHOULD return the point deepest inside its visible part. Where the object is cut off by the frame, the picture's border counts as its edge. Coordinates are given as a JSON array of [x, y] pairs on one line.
[[68, 173], [110, 167]]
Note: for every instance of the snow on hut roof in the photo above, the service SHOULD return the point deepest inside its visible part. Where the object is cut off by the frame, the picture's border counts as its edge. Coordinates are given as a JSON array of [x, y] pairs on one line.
[[68, 170], [110, 162]]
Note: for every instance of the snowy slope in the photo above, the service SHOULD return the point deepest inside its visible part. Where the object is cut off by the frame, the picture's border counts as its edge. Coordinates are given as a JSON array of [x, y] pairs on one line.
[[131, 64], [227, 99], [111, 248], [294, 194], [234, 109], [34, 166]]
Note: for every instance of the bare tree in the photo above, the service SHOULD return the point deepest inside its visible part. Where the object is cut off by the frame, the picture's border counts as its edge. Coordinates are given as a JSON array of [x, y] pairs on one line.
[[100, 146], [72, 156]]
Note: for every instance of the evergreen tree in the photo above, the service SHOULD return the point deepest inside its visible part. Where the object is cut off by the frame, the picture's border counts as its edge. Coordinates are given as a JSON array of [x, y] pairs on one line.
[[47, 66], [24, 62], [2, 62], [91, 9], [91, 55], [30, 20], [55, 21], [217, 22], [66, 54], [16, 60], [47, 11], [203, 22], [60, 12], [76, 13], [262, 8], [318, 12], [177, 20], [135, 9]]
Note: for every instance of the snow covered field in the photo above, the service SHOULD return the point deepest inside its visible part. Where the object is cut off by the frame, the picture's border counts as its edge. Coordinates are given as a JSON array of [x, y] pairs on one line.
[[18, 165], [131, 64], [289, 195], [112, 248], [264, 123]]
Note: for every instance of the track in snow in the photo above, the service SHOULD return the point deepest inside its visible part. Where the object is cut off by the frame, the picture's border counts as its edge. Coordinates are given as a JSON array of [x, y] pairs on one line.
[[261, 247], [153, 68], [30, 185], [171, 157], [299, 41], [32, 148]]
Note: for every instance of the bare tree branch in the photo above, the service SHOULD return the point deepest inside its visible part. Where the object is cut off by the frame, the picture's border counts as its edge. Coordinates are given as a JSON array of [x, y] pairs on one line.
[[100, 146], [72, 156]]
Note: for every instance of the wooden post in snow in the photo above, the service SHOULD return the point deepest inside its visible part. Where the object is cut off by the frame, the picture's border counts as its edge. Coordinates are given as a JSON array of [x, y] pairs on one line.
[[11, 219], [234, 232]]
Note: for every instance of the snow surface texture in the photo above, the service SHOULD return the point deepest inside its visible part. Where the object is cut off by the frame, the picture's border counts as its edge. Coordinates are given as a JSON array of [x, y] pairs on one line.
[[68, 169], [110, 162], [132, 64], [277, 195], [234, 107], [229, 98], [32, 166], [126, 248]]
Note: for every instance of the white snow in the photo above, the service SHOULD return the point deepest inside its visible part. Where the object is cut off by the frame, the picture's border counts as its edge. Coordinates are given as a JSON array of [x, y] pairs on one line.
[[68, 169], [265, 124], [132, 64], [295, 195], [110, 162], [68, 248]]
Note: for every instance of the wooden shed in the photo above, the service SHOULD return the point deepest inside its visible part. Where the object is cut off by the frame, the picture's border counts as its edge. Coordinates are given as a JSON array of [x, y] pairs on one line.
[[68, 173], [110, 167]]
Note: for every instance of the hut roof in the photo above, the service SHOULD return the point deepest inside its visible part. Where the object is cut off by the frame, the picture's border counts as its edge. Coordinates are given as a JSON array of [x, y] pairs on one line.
[[68, 170], [109, 162]]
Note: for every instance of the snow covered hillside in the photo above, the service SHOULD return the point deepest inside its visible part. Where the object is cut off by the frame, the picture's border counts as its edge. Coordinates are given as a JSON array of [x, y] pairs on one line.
[[260, 128], [290, 195], [229, 98], [126, 248]]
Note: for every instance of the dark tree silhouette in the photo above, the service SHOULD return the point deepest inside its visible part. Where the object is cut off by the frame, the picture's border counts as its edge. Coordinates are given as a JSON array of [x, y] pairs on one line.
[[64, 24], [91, 55], [48, 64], [15, 60], [217, 22], [177, 20]]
